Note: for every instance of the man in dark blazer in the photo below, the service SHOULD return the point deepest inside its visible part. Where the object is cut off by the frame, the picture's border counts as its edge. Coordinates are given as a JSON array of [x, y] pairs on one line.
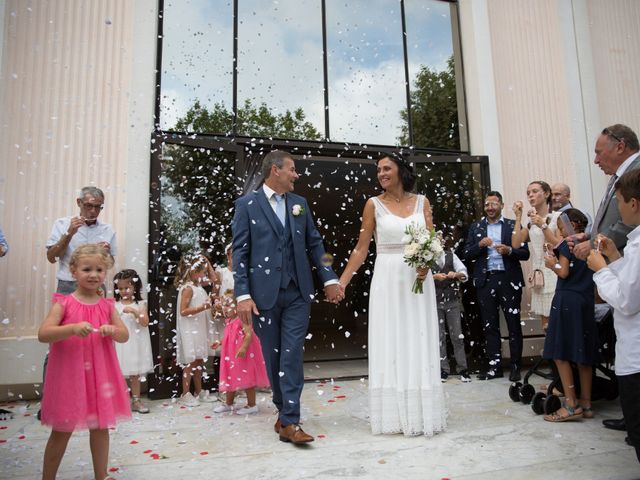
[[497, 276], [273, 237], [617, 151]]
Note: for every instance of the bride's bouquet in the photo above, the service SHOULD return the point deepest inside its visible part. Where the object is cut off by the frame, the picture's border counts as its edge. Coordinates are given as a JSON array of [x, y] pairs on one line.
[[422, 249]]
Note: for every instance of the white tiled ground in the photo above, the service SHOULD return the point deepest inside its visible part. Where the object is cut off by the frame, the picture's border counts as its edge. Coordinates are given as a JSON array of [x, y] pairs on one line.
[[488, 437]]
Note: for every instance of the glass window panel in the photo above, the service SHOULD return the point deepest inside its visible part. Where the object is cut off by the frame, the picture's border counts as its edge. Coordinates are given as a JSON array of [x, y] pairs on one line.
[[280, 79], [197, 190], [197, 194], [336, 191], [454, 189], [366, 71], [197, 63], [434, 110]]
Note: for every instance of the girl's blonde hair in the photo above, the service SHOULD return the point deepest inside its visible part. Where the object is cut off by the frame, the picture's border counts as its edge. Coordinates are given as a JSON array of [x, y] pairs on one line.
[[90, 249], [189, 263]]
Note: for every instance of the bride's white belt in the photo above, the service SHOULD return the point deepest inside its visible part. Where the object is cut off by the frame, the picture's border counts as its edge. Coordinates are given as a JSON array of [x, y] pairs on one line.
[[390, 248]]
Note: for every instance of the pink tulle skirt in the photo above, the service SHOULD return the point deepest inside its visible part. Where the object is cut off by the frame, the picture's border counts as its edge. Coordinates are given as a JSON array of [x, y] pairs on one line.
[[84, 387], [241, 373]]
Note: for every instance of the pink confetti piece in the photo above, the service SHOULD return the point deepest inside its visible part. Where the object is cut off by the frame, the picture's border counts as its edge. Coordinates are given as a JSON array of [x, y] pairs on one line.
[[207, 417], [113, 469], [3, 441], [21, 437], [133, 442], [204, 453], [147, 451], [155, 456], [341, 396], [321, 436]]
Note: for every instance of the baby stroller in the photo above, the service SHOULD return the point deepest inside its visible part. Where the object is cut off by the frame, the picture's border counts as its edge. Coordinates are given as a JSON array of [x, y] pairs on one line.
[[524, 391], [604, 386]]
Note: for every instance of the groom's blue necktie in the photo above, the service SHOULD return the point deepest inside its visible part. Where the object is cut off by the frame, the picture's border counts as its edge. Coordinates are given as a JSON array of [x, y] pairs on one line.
[[280, 207]]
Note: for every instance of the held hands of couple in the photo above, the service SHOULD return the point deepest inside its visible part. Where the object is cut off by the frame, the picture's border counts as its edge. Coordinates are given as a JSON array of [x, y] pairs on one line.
[[334, 293]]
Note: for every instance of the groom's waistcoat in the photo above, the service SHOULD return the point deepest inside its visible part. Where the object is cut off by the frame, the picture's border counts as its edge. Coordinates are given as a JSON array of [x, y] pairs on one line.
[[288, 257]]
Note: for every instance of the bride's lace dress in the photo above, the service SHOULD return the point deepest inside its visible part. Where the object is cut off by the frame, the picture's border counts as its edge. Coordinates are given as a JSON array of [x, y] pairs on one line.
[[405, 390]]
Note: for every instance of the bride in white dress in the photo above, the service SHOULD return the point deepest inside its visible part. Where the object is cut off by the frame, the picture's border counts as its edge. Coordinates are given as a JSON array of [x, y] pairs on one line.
[[405, 389]]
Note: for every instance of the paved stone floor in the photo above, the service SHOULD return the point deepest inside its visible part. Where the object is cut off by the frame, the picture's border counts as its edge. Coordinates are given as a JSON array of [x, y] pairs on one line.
[[488, 437]]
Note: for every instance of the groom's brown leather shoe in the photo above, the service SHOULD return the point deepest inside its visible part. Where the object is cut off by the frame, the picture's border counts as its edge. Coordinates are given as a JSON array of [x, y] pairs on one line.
[[277, 426], [294, 434]]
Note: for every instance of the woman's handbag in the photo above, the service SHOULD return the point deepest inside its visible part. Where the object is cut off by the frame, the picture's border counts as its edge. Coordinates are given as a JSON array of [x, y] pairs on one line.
[[536, 279]]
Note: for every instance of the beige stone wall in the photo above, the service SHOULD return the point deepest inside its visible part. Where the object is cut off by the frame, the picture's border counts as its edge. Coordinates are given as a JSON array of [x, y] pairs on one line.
[[69, 100]]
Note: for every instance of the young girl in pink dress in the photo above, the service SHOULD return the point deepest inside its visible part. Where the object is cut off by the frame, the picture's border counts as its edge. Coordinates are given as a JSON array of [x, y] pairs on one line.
[[242, 365], [84, 388]]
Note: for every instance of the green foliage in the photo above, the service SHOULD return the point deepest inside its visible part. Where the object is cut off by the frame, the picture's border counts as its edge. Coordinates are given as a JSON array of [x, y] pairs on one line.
[[434, 111], [200, 185], [252, 121]]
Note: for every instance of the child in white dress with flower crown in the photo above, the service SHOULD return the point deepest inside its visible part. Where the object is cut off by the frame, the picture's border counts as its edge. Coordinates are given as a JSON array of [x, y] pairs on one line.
[[135, 355], [193, 321]]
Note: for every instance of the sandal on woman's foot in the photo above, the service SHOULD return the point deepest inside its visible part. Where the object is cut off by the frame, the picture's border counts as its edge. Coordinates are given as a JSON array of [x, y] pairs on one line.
[[587, 412], [572, 413]]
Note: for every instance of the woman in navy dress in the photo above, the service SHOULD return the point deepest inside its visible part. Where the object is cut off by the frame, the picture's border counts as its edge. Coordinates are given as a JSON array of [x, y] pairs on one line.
[[572, 334]]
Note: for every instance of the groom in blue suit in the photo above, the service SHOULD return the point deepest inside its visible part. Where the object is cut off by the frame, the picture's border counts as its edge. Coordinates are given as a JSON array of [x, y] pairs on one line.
[[273, 237]]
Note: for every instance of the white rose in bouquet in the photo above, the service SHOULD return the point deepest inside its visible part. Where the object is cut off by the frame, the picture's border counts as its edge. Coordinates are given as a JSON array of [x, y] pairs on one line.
[[422, 249], [411, 249]]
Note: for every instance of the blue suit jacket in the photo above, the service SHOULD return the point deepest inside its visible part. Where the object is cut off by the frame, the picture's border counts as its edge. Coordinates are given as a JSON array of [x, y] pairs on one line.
[[257, 252], [473, 252]]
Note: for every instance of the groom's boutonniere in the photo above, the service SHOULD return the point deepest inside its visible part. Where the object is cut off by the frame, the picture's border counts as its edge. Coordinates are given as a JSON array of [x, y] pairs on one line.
[[297, 210]]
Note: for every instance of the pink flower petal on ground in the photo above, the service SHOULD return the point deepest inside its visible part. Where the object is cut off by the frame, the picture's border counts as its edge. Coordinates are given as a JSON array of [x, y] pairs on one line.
[[341, 396], [155, 456], [3, 441], [21, 437], [133, 442], [204, 453], [321, 436], [113, 469], [207, 417], [147, 451]]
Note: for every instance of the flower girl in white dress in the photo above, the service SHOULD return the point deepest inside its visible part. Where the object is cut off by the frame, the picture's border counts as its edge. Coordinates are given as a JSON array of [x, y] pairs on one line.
[[134, 355]]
